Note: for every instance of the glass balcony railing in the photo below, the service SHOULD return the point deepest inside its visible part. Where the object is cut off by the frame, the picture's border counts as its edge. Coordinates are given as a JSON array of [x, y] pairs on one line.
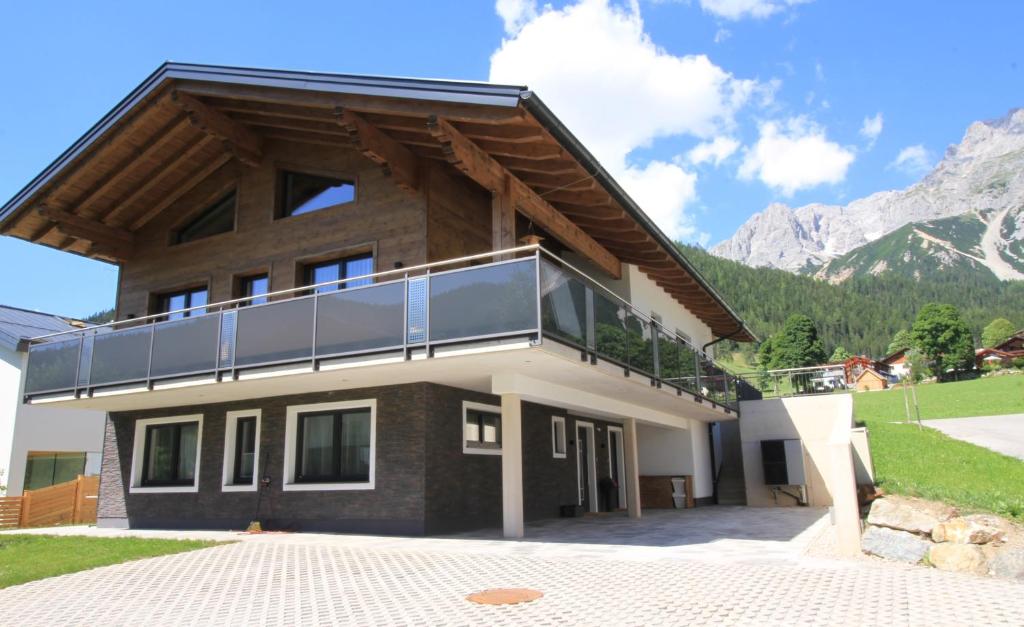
[[535, 296]]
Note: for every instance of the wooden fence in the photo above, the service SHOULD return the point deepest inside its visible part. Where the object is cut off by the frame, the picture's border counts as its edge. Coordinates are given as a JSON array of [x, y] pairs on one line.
[[72, 502]]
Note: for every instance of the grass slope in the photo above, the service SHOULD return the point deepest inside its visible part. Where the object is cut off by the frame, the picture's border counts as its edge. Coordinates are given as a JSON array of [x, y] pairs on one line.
[[25, 557], [926, 463]]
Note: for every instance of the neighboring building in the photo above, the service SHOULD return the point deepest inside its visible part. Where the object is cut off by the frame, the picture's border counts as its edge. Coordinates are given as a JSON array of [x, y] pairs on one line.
[[1013, 344], [327, 319], [856, 365], [869, 380], [897, 364], [1004, 354], [39, 445]]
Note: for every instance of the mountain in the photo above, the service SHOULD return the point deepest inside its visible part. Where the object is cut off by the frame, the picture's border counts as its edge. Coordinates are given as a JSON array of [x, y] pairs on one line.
[[979, 181], [861, 313]]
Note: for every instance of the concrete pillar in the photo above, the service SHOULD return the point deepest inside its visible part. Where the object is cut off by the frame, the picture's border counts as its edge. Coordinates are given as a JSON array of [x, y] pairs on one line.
[[632, 464], [512, 465]]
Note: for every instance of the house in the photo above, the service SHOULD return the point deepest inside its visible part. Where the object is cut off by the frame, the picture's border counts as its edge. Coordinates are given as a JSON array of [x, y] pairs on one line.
[[897, 363], [332, 312], [40, 445], [856, 365], [870, 379], [1013, 344]]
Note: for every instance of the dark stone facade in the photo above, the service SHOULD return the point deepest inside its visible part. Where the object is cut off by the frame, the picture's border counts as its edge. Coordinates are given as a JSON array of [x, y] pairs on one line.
[[424, 483]]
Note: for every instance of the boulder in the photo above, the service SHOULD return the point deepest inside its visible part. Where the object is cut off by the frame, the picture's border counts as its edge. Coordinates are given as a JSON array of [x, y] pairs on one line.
[[908, 514], [891, 544], [1008, 563], [966, 531], [960, 558]]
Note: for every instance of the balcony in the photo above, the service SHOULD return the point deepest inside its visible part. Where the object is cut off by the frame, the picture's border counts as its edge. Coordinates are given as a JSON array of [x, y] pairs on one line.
[[528, 294]]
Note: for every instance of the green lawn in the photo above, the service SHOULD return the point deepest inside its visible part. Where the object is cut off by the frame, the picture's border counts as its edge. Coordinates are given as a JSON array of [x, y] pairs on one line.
[[25, 557], [926, 463]]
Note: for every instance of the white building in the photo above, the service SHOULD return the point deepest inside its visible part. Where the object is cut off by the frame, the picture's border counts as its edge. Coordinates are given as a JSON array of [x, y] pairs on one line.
[[40, 446]]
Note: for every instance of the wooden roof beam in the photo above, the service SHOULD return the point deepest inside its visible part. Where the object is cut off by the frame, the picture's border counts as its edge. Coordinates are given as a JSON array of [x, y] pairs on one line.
[[180, 190], [238, 139], [111, 239], [475, 163], [397, 160]]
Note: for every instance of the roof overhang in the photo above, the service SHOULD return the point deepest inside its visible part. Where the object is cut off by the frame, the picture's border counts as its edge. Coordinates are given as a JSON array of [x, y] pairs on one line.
[[186, 121]]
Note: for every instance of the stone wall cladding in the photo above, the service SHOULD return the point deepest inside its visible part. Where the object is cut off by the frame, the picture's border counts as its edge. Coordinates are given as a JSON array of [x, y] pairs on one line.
[[396, 505]]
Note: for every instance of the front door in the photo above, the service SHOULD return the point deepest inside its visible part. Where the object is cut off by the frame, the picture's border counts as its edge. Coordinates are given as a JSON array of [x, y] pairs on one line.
[[616, 467], [585, 465]]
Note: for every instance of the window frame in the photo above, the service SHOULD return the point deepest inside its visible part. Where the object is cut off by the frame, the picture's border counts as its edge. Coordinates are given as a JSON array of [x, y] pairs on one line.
[[281, 190], [243, 285], [139, 455], [292, 441], [468, 406], [341, 261], [207, 208], [231, 444], [558, 426], [161, 298]]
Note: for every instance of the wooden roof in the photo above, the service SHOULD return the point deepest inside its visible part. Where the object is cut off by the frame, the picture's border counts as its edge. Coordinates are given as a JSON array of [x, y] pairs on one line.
[[186, 121]]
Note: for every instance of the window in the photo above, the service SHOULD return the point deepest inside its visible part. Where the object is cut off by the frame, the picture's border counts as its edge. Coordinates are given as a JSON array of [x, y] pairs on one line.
[[558, 437], [330, 446], [214, 220], [44, 469], [255, 285], [481, 429], [306, 193], [338, 269], [241, 450], [183, 299], [165, 456]]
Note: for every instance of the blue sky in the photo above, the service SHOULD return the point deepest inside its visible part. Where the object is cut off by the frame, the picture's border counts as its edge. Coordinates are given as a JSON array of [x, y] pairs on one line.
[[777, 90]]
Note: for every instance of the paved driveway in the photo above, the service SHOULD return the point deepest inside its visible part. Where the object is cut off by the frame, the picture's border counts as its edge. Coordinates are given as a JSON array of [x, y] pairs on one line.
[[314, 579], [1003, 434]]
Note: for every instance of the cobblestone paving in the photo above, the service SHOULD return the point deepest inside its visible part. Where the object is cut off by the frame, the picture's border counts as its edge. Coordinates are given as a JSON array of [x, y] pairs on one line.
[[297, 580]]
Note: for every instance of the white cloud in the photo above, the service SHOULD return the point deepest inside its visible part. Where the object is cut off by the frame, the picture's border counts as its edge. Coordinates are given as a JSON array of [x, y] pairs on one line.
[[913, 160], [715, 151], [739, 9], [795, 155], [871, 129], [722, 34], [819, 71], [598, 70], [515, 13]]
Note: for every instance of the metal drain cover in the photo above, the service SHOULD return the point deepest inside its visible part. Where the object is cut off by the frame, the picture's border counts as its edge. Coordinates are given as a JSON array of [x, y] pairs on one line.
[[505, 596]]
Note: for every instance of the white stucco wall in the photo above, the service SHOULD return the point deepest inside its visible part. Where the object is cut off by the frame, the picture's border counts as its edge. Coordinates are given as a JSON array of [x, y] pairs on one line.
[[648, 297], [10, 387], [41, 428], [672, 452]]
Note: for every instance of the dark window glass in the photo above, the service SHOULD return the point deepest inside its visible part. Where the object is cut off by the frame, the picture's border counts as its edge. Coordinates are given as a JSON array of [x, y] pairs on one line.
[[483, 429], [216, 219], [305, 193], [46, 469], [182, 300], [254, 286], [170, 454], [333, 446], [338, 269], [245, 450]]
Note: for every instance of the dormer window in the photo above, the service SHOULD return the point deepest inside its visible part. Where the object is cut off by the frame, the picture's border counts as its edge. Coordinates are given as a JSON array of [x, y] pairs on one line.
[[306, 193], [216, 219]]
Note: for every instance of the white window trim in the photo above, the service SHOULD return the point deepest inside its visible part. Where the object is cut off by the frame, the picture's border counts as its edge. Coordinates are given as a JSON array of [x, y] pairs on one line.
[[230, 432], [591, 462], [468, 450], [291, 439], [139, 451], [622, 463], [559, 420]]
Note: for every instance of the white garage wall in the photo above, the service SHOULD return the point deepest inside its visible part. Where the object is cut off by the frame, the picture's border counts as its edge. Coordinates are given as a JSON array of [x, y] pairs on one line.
[[10, 388]]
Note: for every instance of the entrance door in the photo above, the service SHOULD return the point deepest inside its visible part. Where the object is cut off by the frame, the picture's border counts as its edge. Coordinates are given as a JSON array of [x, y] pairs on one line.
[[616, 464], [585, 468]]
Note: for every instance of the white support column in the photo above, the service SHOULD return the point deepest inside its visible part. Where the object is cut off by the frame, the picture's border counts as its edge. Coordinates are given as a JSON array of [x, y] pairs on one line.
[[512, 465], [632, 468]]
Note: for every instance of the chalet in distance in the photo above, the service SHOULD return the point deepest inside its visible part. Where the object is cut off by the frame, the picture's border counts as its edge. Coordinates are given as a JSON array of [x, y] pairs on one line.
[[370, 304]]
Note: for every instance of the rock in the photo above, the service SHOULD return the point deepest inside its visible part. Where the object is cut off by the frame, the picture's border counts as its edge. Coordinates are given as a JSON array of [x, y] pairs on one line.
[[1008, 563], [960, 558], [966, 531], [894, 545], [913, 515]]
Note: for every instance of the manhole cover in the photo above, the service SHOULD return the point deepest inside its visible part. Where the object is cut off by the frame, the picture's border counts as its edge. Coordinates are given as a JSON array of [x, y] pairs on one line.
[[505, 596]]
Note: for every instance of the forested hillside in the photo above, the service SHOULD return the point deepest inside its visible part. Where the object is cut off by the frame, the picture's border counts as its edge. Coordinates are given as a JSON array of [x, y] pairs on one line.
[[862, 313]]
